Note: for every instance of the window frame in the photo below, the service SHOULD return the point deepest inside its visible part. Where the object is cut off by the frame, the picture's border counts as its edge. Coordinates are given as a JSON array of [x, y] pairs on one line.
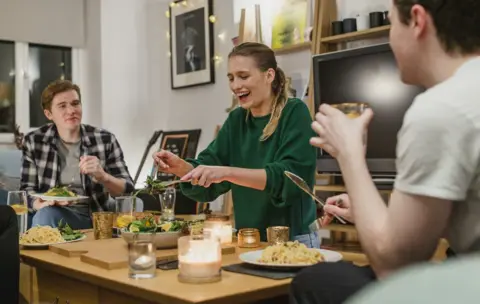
[[22, 96]]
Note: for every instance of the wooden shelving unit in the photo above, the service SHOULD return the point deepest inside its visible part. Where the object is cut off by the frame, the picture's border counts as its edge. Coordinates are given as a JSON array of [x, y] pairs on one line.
[[293, 48], [366, 34]]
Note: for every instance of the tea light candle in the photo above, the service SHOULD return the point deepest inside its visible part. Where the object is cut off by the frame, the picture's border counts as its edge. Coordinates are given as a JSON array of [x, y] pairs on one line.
[[199, 260], [248, 238]]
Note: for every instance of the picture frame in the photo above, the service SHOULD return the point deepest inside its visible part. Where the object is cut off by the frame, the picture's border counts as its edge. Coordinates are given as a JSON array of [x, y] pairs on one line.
[[191, 43], [181, 143]]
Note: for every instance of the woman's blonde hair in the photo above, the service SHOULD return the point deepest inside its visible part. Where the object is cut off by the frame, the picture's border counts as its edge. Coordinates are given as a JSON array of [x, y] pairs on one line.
[[265, 59]]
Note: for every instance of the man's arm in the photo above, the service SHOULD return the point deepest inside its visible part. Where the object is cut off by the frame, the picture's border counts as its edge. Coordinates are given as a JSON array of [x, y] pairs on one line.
[[405, 232], [117, 179], [436, 162]]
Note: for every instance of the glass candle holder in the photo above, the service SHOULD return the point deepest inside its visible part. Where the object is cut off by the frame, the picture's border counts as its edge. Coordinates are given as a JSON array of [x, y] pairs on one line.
[[103, 225], [199, 259], [142, 257], [278, 235], [248, 238], [219, 225]]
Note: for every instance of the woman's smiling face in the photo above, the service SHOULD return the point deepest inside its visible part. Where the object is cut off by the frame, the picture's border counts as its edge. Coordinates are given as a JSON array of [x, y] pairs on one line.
[[251, 86]]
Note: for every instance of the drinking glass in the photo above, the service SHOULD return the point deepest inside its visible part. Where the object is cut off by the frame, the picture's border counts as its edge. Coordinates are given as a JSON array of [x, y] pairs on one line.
[[18, 201], [353, 110], [142, 257], [102, 225], [167, 200], [124, 212]]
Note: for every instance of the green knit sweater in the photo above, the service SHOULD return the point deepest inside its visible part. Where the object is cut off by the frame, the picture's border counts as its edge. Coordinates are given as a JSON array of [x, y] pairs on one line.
[[238, 145]]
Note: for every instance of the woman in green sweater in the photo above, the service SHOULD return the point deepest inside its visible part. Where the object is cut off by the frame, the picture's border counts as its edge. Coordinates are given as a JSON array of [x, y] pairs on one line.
[[268, 134]]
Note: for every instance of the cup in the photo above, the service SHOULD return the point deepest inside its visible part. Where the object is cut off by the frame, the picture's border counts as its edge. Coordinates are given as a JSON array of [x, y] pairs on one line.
[[167, 201], [124, 211], [278, 235], [142, 257], [18, 201], [103, 225], [376, 19], [349, 25], [363, 22], [353, 110], [337, 28]]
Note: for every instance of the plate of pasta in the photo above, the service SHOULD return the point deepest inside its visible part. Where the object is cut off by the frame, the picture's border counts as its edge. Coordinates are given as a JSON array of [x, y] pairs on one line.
[[289, 255], [43, 236]]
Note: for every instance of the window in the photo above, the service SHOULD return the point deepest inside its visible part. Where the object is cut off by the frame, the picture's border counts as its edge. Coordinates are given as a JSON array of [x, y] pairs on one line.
[[25, 71], [45, 64], [7, 87]]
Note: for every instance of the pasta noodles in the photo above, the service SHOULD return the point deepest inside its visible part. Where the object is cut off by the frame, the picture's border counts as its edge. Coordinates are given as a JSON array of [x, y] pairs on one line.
[[293, 253], [41, 235]]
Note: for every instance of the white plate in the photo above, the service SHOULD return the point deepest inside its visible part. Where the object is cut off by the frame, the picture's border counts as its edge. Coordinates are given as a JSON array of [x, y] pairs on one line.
[[252, 257], [46, 245], [58, 198]]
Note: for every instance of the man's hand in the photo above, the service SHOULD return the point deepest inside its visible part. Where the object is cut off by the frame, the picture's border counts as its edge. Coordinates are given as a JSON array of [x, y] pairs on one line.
[[90, 165], [338, 205], [39, 204], [338, 134]]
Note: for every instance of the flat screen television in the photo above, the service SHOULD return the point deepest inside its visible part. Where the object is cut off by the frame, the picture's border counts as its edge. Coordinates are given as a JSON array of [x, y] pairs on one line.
[[368, 74]]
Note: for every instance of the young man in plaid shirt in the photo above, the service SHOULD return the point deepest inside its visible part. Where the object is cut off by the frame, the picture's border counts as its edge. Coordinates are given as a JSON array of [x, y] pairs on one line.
[[68, 153]]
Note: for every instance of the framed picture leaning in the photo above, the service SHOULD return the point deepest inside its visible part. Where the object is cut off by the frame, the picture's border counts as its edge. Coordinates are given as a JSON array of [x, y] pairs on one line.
[[191, 43]]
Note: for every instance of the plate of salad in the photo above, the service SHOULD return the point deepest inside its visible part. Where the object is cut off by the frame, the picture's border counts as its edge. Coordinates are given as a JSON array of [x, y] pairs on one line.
[[63, 194]]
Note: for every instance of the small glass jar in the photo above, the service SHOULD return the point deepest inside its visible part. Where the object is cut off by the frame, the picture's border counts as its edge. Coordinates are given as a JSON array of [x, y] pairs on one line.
[[248, 238], [219, 225]]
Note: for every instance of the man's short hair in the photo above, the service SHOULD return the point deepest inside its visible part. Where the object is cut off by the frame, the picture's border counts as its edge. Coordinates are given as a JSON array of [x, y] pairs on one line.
[[56, 87], [457, 22]]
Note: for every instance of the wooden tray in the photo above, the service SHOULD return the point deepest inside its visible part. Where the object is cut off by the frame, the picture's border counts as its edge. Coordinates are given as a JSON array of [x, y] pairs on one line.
[[113, 253]]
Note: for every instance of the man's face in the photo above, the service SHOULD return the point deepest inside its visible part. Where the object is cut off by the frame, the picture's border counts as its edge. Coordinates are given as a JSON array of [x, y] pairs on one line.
[[408, 41], [66, 110]]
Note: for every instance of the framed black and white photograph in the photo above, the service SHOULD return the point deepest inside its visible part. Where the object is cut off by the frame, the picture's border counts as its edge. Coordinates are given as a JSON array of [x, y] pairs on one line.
[[191, 43]]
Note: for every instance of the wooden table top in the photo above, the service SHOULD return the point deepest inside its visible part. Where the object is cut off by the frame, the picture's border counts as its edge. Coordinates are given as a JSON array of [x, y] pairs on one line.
[[165, 287]]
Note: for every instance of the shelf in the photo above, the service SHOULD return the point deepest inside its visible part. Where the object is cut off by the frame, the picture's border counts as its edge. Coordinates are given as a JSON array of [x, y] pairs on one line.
[[341, 228], [370, 33], [293, 48], [330, 188]]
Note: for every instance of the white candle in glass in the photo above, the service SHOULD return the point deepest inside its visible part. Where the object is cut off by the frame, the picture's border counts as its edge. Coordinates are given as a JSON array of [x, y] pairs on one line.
[[203, 259], [222, 231]]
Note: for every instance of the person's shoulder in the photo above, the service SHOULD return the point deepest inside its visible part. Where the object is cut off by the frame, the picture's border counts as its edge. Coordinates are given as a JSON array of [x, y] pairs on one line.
[[39, 134], [296, 109], [237, 114], [98, 135]]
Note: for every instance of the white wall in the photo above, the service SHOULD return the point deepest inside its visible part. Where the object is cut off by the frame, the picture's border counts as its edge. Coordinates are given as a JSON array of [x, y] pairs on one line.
[[126, 76], [127, 71]]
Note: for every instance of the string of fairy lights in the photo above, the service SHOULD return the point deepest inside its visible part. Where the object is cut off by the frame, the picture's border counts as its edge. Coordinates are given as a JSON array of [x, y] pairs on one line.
[[212, 19]]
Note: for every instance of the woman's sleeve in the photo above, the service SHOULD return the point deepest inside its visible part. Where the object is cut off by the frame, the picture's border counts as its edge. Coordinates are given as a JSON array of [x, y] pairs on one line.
[[216, 154], [295, 154]]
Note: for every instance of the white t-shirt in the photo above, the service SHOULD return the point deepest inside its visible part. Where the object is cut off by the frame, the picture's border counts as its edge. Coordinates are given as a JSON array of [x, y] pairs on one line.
[[438, 152]]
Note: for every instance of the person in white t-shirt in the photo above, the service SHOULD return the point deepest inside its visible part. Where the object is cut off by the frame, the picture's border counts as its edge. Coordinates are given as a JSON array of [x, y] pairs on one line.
[[437, 188]]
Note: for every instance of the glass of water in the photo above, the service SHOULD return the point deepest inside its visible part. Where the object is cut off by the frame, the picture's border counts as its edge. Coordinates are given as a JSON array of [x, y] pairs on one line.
[[142, 258], [18, 201], [167, 200]]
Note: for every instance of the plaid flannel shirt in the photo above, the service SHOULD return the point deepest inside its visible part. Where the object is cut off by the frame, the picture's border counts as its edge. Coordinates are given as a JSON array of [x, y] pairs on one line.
[[41, 162]]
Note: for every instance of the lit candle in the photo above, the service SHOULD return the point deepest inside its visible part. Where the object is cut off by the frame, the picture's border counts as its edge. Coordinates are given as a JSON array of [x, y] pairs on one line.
[[200, 260], [218, 225]]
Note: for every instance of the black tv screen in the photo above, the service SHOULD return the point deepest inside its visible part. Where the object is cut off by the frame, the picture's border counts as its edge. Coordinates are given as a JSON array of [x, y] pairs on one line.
[[370, 75]]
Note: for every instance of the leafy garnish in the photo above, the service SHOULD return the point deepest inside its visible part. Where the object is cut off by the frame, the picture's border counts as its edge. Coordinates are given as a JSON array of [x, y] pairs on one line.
[[68, 234]]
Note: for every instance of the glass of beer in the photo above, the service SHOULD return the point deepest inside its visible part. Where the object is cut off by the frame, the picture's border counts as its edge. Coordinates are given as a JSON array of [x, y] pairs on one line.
[[18, 201], [353, 110]]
